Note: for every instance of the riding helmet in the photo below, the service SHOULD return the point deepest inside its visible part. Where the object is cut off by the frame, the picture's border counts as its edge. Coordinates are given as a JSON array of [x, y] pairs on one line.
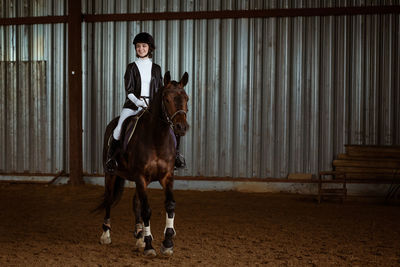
[[144, 37]]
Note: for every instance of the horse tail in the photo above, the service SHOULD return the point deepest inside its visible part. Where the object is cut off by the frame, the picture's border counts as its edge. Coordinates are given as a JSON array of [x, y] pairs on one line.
[[114, 187]]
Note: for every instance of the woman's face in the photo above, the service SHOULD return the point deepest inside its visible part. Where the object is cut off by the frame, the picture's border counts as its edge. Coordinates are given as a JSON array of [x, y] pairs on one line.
[[142, 49]]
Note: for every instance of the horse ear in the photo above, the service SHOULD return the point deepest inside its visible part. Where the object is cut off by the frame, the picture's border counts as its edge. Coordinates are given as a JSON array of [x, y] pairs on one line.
[[167, 78], [184, 79]]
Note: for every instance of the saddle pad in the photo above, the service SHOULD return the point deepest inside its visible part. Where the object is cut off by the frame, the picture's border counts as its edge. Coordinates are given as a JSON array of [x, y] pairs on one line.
[[130, 129], [173, 136]]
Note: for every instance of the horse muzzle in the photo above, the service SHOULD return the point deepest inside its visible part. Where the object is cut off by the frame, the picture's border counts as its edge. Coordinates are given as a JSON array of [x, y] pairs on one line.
[[180, 128]]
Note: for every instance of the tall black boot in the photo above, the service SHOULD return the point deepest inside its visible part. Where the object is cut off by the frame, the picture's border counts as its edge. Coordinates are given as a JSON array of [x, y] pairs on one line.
[[111, 162], [179, 159]]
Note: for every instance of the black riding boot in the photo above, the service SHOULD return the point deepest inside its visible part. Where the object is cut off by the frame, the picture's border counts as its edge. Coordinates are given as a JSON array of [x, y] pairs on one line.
[[111, 163], [179, 159]]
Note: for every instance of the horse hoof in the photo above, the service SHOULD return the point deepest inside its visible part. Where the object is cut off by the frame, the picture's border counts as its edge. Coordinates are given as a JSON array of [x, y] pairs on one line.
[[140, 243], [150, 253], [105, 238], [167, 251]]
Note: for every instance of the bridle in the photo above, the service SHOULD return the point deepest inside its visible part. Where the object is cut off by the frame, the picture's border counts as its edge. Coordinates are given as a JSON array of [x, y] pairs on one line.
[[168, 119], [167, 116]]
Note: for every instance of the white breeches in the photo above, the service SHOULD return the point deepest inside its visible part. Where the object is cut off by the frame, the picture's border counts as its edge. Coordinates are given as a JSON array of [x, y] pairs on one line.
[[125, 113]]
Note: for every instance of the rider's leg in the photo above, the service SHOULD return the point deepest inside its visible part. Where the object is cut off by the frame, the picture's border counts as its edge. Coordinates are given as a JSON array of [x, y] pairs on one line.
[[113, 144]]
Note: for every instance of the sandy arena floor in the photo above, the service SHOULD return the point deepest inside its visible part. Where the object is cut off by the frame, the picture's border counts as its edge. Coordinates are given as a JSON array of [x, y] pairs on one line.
[[52, 226]]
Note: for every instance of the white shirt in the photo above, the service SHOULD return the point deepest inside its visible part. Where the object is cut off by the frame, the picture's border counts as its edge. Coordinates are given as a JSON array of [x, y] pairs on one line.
[[144, 65]]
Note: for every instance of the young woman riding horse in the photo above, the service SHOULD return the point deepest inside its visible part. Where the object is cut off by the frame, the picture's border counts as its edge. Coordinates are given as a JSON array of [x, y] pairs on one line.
[[149, 156], [142, 81]]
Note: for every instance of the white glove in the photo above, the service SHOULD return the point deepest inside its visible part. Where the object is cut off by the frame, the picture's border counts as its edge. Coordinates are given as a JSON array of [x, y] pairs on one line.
[[141, 103], [138, 102]]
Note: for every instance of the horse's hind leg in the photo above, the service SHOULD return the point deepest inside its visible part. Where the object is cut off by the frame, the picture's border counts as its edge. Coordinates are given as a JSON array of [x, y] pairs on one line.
[[139, 235], [169, 231], [145, 214]]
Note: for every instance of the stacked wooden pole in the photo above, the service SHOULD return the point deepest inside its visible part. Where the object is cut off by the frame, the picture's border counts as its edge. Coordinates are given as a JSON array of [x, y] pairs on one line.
[[374, 163]]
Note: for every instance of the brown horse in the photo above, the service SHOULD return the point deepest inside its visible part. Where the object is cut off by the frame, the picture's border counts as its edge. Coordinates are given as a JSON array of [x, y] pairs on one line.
[[149, 156]]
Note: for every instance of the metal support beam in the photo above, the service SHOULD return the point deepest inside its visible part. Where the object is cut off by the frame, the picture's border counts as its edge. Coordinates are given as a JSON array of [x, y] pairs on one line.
[[231, 14], [75, 91], [33, 20], [220, 14]]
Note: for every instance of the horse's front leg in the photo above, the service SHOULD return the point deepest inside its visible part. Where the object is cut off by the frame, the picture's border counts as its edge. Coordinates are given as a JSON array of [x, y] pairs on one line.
[[106, 236], [108, 187], [139, 235], [145, 214], [167, 245]]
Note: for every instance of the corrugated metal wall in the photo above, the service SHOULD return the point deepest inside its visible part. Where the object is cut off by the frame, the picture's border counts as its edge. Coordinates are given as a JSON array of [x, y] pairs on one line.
[[33, 86], [268, 96]]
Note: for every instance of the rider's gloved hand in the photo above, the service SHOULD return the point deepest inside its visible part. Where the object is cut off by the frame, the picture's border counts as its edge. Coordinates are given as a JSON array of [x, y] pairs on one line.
[[138, 102], [141, 103]]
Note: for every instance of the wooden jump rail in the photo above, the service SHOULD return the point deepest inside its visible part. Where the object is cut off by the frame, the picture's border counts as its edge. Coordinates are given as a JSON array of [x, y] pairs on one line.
[[362, 164], [377, 164], [56, 176], [337, 177]]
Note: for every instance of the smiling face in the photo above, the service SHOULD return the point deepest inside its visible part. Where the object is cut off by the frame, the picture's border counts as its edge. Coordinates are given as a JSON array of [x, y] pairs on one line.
[[142, 50]]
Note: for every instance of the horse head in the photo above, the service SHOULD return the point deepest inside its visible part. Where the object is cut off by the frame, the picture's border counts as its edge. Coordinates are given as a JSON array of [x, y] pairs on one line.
[[174, 103]]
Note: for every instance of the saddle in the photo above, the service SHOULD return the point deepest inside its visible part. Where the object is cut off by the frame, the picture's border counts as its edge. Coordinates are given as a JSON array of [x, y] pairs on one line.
[[128, 129]]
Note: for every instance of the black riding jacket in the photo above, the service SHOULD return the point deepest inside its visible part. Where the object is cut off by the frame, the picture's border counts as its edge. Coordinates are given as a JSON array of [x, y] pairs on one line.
[[133, 83]]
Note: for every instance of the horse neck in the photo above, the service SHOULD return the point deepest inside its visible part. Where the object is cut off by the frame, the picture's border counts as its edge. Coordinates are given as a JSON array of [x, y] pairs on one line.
[[157, 124]]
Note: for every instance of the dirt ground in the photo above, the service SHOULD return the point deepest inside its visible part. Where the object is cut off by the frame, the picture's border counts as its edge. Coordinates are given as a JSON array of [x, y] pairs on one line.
[[53, 226]]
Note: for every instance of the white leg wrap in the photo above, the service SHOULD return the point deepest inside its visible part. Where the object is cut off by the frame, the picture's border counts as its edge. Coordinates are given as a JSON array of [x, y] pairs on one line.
[[105, 237], [169, 223], [147, 232]]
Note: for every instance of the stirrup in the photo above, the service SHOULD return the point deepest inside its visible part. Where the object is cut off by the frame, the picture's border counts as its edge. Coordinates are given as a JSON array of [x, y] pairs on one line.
[[180, 161], [111, 165]]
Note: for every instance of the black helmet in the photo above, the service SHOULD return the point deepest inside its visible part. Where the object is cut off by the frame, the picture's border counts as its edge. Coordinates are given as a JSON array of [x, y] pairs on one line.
[[144, 37]]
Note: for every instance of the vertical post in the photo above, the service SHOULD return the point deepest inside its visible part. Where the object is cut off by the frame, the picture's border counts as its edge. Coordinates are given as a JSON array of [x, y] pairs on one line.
[[75, 91]]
